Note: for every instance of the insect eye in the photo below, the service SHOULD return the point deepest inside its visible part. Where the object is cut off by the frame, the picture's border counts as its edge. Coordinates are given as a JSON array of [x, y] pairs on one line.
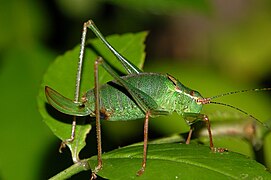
[[192, 93]]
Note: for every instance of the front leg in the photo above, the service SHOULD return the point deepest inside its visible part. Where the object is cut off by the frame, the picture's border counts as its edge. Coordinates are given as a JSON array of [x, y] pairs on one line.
[[144, 160], [192, 118], [189, 135]]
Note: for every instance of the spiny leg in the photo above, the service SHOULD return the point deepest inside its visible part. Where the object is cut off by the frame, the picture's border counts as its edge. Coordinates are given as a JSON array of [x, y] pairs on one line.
[[145, 102], [145, 143], [193, 118], [97, 114], [77, 88], [144, 160], [190, 119], [208, 125], [63, 143], [129, 66]]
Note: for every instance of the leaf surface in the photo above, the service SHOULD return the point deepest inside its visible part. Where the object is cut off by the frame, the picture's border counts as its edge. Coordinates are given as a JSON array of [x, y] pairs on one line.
[[178, 161], [61, 77]]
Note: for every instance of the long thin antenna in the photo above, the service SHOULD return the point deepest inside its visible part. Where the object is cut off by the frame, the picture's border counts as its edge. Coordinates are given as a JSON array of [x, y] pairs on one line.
[[208, 101], [241, 91], [238, 109]]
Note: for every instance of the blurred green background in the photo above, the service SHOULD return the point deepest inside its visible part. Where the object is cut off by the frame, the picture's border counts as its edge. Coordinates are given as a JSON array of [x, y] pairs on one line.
[[213, 46]]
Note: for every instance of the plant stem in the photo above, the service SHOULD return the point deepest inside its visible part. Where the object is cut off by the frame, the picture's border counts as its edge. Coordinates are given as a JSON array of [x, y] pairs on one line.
[[72, 170]]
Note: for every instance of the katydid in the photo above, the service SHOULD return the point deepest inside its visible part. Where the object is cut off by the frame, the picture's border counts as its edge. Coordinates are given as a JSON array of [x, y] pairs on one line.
[[136, 95]]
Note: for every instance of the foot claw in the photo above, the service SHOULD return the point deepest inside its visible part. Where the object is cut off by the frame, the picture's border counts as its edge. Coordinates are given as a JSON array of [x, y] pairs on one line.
[[95, 171], [140, 172], [93, 176], [62, 146], [219, 150]]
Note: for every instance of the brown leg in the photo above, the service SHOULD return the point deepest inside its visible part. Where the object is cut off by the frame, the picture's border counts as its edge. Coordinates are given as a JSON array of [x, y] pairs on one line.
[[146, 124], [77, 90], [63, 143], [98, 124], [208, 124], [220, 150], [206, 119], [189, 136]]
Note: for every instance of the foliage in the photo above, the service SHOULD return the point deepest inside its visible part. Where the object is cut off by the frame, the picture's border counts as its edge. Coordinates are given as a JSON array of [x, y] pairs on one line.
[[173, 157], [60, 76], [174, 161], [228, 51]]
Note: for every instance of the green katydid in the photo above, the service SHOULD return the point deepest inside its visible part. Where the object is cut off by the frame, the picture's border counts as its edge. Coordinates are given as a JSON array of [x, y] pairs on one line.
[[136, 95]]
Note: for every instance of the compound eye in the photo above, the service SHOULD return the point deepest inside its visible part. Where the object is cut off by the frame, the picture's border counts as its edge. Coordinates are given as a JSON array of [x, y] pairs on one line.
[[192, 93]]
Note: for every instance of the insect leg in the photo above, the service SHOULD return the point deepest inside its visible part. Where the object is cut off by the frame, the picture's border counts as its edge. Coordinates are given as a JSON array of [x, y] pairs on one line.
[[77, 89], [193, 118], [205, 118], [145, 143], [189, 135], [208, 125], [146, 124], [97, 115], [129, 67], [144, 101]]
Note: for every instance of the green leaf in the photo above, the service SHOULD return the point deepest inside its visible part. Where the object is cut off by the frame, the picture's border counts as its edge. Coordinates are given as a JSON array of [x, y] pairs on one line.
[[255, 103], [61, 77], [173, 161]]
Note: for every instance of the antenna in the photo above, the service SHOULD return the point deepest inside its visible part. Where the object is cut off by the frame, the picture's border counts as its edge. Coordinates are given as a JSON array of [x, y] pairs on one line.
[[208, 101], [238, 109], [240, 91]]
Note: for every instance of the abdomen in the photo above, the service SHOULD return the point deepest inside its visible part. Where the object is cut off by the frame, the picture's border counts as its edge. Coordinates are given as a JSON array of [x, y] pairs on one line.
[[117, 104]]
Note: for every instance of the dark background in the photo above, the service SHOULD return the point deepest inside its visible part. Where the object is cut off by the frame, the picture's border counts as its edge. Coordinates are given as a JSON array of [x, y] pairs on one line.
[[213, 46]]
